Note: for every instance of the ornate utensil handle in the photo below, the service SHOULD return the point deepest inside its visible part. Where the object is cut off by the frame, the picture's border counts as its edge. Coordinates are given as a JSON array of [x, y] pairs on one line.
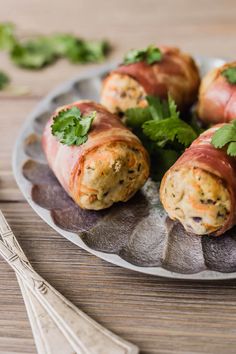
[[48, 337], [84, 334]]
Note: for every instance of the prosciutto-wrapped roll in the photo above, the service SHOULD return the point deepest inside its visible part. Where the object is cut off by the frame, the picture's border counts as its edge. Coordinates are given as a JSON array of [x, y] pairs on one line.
[[127, 86], [217, 96], [199, 190], [109, 167]]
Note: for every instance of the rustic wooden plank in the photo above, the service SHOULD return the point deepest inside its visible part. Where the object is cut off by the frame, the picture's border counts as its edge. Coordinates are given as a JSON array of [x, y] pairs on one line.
[[199, 27], [13, 115], [159, 315]]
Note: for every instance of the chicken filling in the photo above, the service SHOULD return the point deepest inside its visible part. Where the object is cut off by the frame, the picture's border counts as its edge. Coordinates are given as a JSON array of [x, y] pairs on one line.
[[121, 92], [111, 173], [197, 198]]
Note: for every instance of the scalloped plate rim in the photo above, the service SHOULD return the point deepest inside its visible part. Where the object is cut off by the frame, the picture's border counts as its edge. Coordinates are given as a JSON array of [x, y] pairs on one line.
[[19, 157]]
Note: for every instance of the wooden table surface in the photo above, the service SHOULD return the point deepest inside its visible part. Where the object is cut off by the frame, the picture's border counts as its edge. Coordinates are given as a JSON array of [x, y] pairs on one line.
[[159, 315]]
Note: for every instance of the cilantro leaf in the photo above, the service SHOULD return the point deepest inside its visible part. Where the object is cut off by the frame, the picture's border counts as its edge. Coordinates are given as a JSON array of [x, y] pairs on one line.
[[151, 55], [226, 135], [78, 50], [174, 113], [33, 54], [162, 132], [7, 37], [169, 129], [62, 43], [160, 122], [135, 117], [230, 75], [231, 151], [87, 52], [4, 80], [70, 127], [44, 50], [157, 109]]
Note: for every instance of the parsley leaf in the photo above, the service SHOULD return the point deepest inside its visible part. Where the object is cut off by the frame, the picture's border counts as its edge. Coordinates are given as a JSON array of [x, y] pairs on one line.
[[4, 80], [151, 55], [70, 127], [226, 137], [7, 37], [230, 75]]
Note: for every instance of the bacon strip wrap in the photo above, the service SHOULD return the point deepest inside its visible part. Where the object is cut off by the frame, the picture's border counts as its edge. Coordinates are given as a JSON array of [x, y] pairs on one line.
[[217, 97], [176, 73], [67, 161], [202, 154]]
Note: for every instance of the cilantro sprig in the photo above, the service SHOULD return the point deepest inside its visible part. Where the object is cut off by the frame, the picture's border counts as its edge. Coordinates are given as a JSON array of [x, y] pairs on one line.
[[168, 130], [151, 54], [225, 137], [70, 127], [7, 37], [4, 80], [230, 75], [44, 50], [160, 122], [33, 54], [162, 131]]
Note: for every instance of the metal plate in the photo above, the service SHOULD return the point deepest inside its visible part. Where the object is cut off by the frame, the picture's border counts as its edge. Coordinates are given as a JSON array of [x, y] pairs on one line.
[[136, 235]]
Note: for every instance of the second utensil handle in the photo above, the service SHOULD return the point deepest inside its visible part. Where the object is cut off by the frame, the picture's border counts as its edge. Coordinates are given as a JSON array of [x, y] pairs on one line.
[[85, 335]]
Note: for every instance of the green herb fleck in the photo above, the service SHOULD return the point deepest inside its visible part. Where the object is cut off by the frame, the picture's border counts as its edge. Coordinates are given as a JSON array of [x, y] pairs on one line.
[[70, 127], [4, 80], [230, 75], [225, 137], [151, 55]]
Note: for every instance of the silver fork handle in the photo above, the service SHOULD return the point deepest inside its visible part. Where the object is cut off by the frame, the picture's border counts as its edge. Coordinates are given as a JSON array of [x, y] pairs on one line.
[[47, 336], [84, 334]]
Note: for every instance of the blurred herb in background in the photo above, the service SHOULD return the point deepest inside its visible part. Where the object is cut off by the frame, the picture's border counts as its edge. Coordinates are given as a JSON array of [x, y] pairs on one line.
[[7, 37], [44, 50], [4, 80]]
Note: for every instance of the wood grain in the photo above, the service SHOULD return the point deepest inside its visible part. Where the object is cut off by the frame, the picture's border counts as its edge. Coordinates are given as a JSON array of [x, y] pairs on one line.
[[160, 315]]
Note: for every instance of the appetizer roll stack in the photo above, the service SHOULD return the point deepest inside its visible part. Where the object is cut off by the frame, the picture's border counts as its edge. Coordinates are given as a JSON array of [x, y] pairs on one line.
[[217, 97], [175, 73], [109, 167], [199, 190]]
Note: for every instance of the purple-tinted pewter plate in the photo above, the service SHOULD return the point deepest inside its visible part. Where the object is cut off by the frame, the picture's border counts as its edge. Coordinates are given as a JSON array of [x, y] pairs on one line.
[[135, 235]]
